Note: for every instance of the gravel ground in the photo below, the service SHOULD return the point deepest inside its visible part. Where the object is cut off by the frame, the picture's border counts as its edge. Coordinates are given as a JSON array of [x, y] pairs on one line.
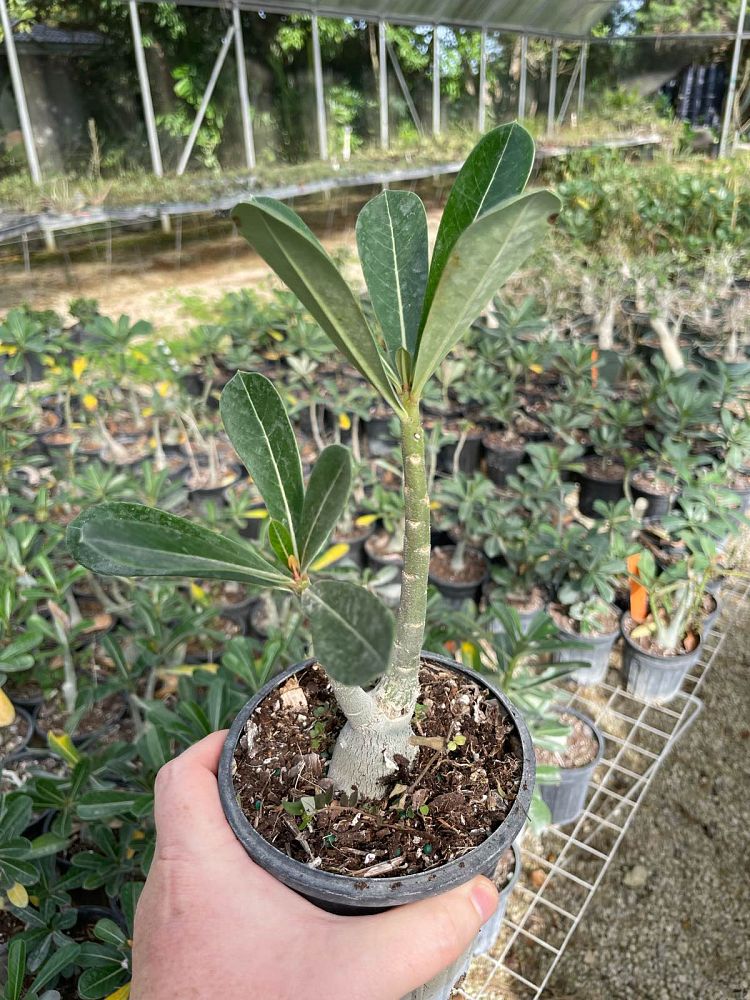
[[671, 920]]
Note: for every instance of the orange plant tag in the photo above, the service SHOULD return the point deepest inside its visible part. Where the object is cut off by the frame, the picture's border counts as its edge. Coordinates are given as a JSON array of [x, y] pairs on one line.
[[594, 370], [638, 593]]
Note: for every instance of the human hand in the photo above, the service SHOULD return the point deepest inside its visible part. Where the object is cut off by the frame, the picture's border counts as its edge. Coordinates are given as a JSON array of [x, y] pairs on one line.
[[211, 923]]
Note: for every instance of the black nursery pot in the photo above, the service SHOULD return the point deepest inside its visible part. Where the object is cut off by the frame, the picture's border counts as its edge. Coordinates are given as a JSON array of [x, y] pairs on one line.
[[351, 896], [21, 713], [566, 799], [658, 503], [457, 593], [593, 488], [468, 459], [501, 463]]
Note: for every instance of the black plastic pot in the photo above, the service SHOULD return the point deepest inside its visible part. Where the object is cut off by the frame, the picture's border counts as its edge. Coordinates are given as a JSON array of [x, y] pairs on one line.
[[214, 494], [658, 504], [490, 930], [655, 678], [354, 896], [566, 799], [457, 593], [592, 488], [84, 739], [501, 463], [380, 441], [21, 713], [744, 498], [596, 653], [468, 459]]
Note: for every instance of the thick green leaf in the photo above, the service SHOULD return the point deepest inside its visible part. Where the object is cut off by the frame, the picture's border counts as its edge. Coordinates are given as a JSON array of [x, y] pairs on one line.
[[105, 804], [46, 844], [490, 250], [129, 896], [495, 170], [352, 631], [287, 245], [325, 499], [107, 930], [127, 539], [55, 964], [258, 426], [394, 253], [15, 814], [97, 983], [16, 969], [281, 542]]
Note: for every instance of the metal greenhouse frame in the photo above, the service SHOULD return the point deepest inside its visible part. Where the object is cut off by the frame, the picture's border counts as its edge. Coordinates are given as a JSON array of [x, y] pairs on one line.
[[558, 20]]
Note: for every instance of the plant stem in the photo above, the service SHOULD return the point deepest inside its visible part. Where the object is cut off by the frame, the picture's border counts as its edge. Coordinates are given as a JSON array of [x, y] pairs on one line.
[[398, 690]]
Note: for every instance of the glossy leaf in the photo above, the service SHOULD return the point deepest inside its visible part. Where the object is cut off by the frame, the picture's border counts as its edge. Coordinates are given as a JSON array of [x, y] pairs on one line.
[[16, 969], [325, 499], [289, 247], [258, 426], [487, 253], [496, 169], [55, 964], [127, 539], [18, 896], [96, 984], [352, 631], [106, 804], [107, 930], [281, 542], [394, 253]]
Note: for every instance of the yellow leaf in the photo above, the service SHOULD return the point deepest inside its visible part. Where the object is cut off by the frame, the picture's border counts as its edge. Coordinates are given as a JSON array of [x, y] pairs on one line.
[[63, 745], [330, 556], [79, 366], [365, 520], [275, 335], [48, 361], [468, 647], [163, 389], [147, 411], [138, 835], [17, 895], [197, 592], [90, 402], [345, 422], [7, 710], [536, 369], [121, 993], [187, 669], [8, 349], [139, 356], [256, 514], [434, 505], [130, 854], [583, 203]]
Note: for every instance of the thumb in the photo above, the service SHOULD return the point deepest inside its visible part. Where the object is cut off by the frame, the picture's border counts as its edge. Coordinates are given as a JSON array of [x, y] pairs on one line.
[[408, 945]]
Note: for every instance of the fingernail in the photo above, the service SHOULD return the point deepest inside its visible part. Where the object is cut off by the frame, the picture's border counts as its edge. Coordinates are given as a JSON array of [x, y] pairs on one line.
[[484, 897]]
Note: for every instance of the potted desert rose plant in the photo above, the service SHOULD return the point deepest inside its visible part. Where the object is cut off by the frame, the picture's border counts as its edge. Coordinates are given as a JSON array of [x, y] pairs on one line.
[[336, 731]]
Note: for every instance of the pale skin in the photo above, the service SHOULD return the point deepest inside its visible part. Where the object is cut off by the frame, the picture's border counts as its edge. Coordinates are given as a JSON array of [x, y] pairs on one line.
[[211, 923]]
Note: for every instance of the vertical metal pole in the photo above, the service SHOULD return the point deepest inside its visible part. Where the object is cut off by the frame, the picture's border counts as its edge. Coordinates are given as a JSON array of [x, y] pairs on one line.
[[405, 88], [732, 88], [247, 122], [148, 107], [208, 93], [435, 81], [383, 84], [20, 95], [320, 101], [582, 77], [551, 106], [522, 80], [482, 116]]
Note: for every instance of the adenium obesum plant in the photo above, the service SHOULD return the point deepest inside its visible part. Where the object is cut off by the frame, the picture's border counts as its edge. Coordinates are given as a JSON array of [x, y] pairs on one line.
[[423, 307]]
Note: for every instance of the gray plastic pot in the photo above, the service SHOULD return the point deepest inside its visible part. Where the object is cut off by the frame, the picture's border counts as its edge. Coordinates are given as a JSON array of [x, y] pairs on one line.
[[655, 678], [596, 652], [489, 932], [343, 894], [566, 799]]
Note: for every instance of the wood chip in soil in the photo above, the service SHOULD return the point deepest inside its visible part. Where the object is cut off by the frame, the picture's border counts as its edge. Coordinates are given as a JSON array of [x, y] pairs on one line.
[[13, 737], [581, 749], [445, 804]]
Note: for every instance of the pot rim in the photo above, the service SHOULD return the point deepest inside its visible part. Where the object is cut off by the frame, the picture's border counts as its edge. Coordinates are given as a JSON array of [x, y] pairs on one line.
[[667, 661], [363, 893], [588, 640], [592, 764]]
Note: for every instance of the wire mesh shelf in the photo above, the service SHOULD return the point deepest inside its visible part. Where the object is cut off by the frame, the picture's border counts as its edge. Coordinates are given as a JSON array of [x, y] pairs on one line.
[[563, 869]]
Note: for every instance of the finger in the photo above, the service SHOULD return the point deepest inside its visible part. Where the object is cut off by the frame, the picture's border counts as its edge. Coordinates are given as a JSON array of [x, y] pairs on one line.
[[187, 808], [405, 947]]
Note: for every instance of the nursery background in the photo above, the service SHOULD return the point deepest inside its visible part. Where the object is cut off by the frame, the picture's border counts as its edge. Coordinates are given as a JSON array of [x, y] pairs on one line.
[[588, 446]]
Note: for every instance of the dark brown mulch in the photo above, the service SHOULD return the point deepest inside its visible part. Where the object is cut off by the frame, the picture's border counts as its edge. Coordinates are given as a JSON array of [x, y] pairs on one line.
[[9, 925], [26, 767], [607, 623], [649, 482], [581, 749], [13, 737], [604, 469], [649, 644], [441, 568], [507, 440], [447, 803], [52, 715]]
